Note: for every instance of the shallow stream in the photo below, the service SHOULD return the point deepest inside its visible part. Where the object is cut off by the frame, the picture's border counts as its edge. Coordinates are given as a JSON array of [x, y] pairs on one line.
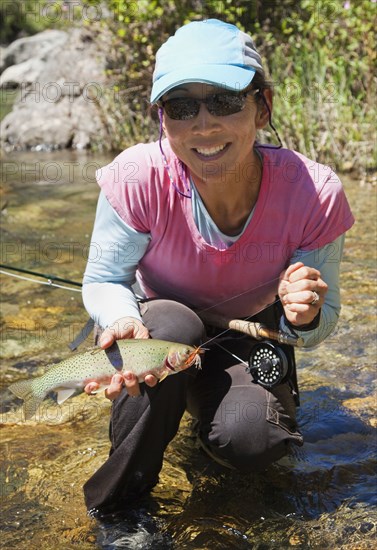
[[323, 496]]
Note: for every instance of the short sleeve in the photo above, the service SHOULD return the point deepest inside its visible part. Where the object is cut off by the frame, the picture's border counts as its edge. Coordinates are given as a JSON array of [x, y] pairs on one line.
[[328, 214], [126, 183]]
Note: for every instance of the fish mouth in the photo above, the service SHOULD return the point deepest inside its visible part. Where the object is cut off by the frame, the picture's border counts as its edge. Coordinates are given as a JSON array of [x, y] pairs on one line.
[[183, 359], [194, 358]]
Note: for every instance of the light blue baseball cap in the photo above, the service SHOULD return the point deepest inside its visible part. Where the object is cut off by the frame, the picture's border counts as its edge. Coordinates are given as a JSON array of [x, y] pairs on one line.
[[211, 52]]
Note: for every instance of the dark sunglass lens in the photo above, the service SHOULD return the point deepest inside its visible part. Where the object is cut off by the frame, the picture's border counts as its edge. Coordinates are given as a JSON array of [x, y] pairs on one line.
[[226, 104], [181, 108]]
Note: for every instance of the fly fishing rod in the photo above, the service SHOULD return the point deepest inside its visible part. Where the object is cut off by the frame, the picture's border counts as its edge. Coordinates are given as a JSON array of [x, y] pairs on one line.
[[255, 330], [268, 363], [37, 274]]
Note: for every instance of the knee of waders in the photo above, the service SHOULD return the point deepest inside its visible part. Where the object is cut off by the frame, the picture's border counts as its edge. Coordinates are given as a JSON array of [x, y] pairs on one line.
[[252, 443], [172, 321]]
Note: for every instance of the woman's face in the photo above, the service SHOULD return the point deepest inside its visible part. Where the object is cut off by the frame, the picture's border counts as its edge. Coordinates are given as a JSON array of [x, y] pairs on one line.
[[214, 147]]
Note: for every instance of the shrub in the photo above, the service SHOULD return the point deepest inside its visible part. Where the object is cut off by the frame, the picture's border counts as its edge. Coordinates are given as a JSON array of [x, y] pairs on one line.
[[319, 54]]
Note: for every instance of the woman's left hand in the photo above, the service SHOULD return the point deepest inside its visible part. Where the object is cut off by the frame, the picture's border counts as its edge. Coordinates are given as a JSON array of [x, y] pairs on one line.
[[302, 293]]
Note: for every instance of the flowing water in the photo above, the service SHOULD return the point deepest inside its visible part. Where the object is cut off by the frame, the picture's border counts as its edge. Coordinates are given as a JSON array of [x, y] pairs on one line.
[[323, 496]]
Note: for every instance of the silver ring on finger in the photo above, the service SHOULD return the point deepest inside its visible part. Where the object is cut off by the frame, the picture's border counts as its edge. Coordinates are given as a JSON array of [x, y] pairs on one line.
[[315, 298]]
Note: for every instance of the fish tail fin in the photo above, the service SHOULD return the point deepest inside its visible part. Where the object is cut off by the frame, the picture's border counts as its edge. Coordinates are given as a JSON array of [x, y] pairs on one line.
[[26, 390]]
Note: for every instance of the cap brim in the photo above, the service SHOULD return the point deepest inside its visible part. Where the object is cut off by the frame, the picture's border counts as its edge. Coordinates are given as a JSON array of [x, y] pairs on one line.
[[229, 77]]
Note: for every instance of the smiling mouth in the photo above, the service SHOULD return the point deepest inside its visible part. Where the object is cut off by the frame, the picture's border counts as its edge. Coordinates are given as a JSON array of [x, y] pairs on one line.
[[210, 151]]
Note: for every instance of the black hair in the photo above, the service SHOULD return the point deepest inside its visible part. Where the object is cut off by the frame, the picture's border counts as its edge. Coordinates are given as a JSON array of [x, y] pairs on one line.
[[260, 84]]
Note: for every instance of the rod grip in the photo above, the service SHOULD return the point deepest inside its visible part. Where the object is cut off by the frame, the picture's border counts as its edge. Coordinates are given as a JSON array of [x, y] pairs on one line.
[[255, 330]]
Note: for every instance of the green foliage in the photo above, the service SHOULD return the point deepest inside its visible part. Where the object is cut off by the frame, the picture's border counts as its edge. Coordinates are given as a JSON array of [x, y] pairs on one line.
[[21, 17], [320, 55], [323, 66], [27, 17]]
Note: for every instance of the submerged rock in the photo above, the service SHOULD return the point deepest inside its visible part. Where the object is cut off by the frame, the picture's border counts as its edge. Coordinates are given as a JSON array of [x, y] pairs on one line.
[[60, 78], [364, 407]]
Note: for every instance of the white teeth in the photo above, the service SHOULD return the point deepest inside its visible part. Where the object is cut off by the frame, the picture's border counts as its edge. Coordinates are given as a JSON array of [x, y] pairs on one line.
[[211, 150]]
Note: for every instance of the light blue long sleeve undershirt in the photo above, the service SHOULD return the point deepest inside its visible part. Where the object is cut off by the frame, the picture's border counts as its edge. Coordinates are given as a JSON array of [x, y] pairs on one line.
[[116, 249]]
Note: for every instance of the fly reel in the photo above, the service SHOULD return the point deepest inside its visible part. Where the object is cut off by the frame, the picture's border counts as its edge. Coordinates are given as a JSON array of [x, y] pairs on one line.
[[269, 365]]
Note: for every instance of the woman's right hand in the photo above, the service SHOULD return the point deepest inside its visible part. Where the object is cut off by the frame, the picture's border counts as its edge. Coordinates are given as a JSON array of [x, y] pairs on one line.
[[125, 327]]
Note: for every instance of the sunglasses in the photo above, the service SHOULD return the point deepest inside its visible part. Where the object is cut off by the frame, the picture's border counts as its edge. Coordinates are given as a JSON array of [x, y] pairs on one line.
[[222, 104]]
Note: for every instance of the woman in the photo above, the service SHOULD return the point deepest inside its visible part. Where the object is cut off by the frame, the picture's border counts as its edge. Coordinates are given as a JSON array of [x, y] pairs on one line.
[[209, 220]]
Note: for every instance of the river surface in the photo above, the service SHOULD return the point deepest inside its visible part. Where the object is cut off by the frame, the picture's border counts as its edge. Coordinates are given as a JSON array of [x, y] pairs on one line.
[[323, 496]]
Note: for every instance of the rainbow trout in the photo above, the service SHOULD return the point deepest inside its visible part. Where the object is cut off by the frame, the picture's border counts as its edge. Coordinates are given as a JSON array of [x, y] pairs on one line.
[[141, 356]]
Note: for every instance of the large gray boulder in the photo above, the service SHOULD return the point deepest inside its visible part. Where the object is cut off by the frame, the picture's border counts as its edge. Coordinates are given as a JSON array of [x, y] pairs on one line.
[[60, 78], [37, 46]]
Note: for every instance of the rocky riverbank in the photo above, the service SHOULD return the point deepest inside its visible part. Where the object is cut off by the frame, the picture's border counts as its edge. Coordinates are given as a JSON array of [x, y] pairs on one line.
[[60, 78]]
